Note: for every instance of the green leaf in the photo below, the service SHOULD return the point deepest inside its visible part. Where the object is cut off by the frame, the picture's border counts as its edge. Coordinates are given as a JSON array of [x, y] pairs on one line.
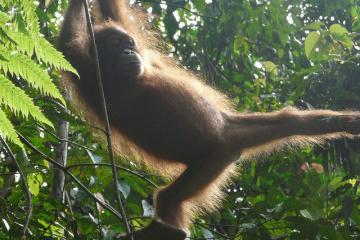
[[338, 30], [45, 52], [124, 189], [207, 234], [200, 5], [310, 43], [24, 41], [241, 44], [305, 213], [34, 182], [314, 26], [247, 226], [3, 18], [341, 34], [49, 55], [7, 130], [312, 214], [18, 102], [148, 209], [335, 183], [269, 66], [22, 66], [261, 81], [29, 12]]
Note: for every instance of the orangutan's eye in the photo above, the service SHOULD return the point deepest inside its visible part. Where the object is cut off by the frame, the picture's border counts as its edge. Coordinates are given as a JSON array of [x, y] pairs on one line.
[[115, 41], [131, 42]]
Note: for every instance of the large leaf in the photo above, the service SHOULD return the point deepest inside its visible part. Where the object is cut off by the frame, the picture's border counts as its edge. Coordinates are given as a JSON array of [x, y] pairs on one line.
[[311, 42], [34, 182], [22, 66], [49, 55], [341, 34], [18, 102], [45, 52]]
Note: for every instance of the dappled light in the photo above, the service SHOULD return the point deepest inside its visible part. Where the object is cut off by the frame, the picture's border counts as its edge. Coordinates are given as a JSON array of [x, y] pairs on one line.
[[56, 177]]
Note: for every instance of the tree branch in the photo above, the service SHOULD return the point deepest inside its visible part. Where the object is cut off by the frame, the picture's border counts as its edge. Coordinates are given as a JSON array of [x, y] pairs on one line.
[[77, 181], [64, 140], [117, 166], [106, 118], [92, 164], [57, 190]]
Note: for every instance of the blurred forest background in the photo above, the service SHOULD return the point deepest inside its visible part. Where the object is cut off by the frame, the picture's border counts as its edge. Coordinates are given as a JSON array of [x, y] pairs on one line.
[[263, 54]]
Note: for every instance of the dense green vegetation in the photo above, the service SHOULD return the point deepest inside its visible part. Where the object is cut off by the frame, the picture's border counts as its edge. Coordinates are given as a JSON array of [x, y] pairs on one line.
[[264, 54]]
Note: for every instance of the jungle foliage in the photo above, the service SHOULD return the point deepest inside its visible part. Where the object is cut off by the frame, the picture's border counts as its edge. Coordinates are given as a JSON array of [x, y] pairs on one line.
[[263, 54]]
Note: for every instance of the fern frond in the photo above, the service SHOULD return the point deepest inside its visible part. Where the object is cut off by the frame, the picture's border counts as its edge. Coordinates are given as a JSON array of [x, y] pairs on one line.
[[22, 66], [24, 41], [44, 51], [48, 54], [18, 102], [3, 19], [29, 11], [7, 130]]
